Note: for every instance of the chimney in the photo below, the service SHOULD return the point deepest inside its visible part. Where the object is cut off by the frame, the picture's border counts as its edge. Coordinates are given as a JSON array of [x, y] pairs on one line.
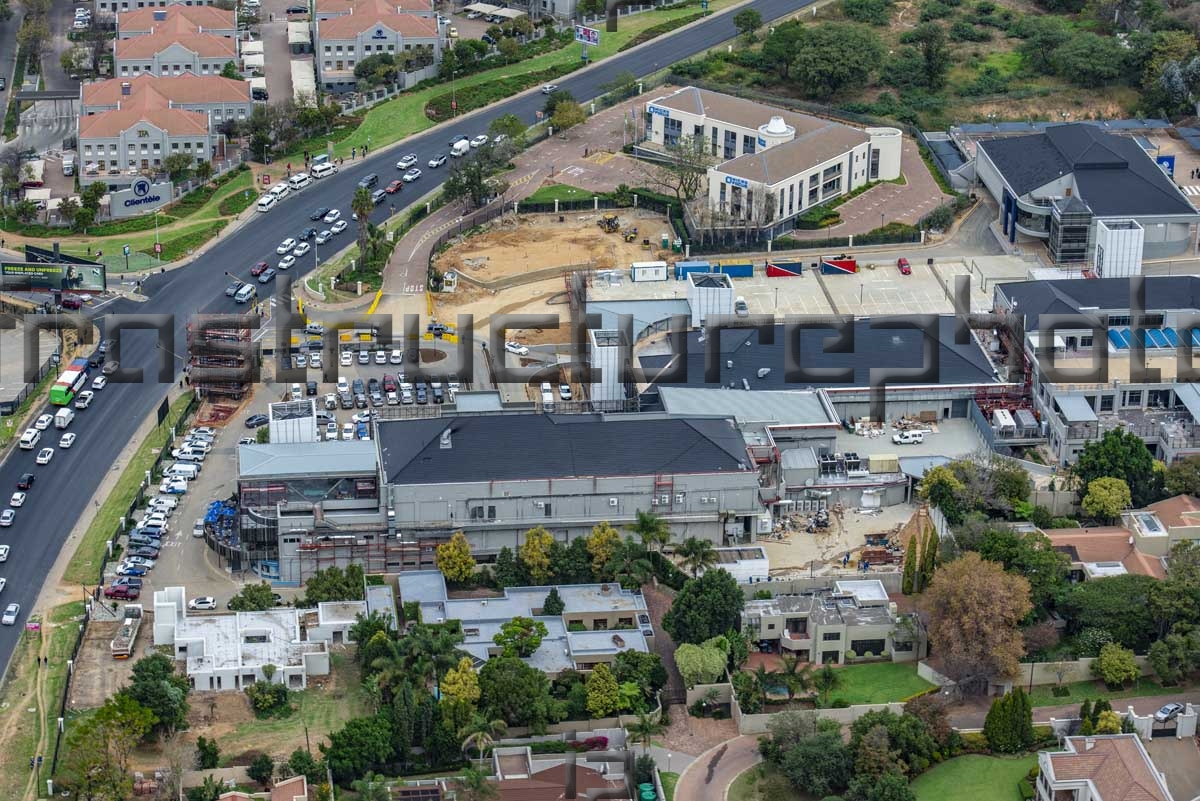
[[445, 443], [126, 88], [1089, 744]]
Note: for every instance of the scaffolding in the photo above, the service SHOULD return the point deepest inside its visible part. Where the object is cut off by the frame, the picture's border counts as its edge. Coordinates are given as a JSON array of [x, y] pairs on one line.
[[221, 355]]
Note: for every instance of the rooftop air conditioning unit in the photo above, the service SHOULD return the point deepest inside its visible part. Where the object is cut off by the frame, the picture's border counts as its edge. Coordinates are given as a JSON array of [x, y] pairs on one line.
[[612, 501], [540, 504], [678, 498]]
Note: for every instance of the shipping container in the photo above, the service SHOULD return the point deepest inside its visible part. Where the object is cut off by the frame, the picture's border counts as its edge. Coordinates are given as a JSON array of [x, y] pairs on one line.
[[682, 268], [735, 269], [649, 270], [838, 266], [784, 268]]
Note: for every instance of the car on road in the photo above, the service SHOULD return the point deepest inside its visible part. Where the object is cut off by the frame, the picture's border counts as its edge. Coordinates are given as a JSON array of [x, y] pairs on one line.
[[368, 181], [111, 366], [286, 246], [302, 250], [11, 613], [394, 187], [286, 262], [549, 88], [259, 268], [256, 421], [323, 237], [84, 399], [17, 500], [319, 214], [4, 553], [267, 276], [25, 482], [131, 570], [517, 348], [7, 517], [198, 528], [232, 289], [45, 455], [99, 382], [437, 161], [1168, 712], [411, 175], [338, 227], [904, 267], [480, 141], [308, 233], [406, 162], [331, 216], [67, 440], [44, 422], [456, 139], [203, 602], [378, 196]]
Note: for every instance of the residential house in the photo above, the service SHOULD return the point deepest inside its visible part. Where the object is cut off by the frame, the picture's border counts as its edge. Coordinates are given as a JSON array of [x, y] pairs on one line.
[[1110, 767], [293, 789]]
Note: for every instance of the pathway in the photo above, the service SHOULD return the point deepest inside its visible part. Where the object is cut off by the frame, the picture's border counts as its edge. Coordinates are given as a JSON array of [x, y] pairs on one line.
[[713, 771]]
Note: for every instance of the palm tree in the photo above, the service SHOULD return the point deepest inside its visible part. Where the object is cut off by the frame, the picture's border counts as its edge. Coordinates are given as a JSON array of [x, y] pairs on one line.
[[362, 205], [429, 651], [629, 565], [644, 729], [765, 680], [474, 785], [651, 529], [372, 787], [696, 555], [480, 734], [826, 680], [797, 676], [390, 671]]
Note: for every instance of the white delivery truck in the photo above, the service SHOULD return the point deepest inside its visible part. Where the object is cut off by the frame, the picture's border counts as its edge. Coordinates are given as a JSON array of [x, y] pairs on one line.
[[63, 417], [461, 148]]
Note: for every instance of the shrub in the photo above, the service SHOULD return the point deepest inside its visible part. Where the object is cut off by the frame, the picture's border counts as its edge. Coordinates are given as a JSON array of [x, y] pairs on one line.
[[974, 742], [1025, 789], [658, 30], [839, 703], [963, 31], [851, 655], [935, 9]]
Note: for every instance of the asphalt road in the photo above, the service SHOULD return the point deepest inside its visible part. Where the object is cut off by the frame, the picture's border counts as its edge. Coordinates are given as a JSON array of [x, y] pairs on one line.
[[65, 486]]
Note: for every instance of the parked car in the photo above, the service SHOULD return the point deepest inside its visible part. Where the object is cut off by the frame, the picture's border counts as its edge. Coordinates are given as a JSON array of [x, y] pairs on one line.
[[1168, 712], [203, 602], [517, 348], [904, 267], [131, 570], [256, 421], [908, 438]]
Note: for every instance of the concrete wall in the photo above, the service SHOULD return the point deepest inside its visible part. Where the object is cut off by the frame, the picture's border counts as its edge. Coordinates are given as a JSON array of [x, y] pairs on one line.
[[1078, 670], [932, 676], [758, 724], [697, 693]]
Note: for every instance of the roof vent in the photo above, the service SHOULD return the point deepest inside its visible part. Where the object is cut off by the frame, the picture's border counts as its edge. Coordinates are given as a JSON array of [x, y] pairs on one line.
[[777, 126], [1089, 744], [618, 640], [605, 589], [729, 364], [445, 443]]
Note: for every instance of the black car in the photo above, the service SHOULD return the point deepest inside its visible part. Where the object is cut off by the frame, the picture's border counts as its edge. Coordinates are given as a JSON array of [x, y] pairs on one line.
[[422, 396], [369, 181], [319, 213], [25, 481], [297, 9], [346, 401], [256, 421], [357, 387], [372, 385], [307, 233], [232, 289], [144, 551], [311, 388], [267, 276]]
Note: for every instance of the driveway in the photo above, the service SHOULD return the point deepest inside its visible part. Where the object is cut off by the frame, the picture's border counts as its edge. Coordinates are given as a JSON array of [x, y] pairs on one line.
[[60, 19], [1179, 762], [713, 771], [273, 31], [971, 715]]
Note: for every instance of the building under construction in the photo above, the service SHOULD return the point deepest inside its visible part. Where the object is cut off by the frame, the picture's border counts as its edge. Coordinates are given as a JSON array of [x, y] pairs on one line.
[[222, 358]]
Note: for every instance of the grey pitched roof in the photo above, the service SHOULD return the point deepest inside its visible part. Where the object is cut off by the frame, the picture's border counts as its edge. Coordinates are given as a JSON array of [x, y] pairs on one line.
[[356, 457], [541, 446], [1035, 298], [784, 408], [1113, 174], [873, 348]]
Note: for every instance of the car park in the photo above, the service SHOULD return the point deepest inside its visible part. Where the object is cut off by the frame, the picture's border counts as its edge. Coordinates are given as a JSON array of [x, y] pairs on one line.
[[67, 440], [173, 486], [205, 602], [302, 250], [393, 399], [11, 613], [144, 551], [396, 356], [517, 348], [7, 517], [140, 561], [286, 246], [338, 227], [267, 276], [332, 216], [256, 421], [17, 500], [286, 262], [84, 399], [422, 396], [43, 422], [904, 267], [479, 141], [437, 161], [319, 214], [346, 358], [323, 237]]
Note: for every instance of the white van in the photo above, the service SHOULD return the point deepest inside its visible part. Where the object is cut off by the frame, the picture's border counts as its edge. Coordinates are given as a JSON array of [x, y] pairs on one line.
[[323, 171], [279, 190], [182, 470], [245, 294], [299, 181], [30, 438], [267, 202], [63, 417], [461, 148]]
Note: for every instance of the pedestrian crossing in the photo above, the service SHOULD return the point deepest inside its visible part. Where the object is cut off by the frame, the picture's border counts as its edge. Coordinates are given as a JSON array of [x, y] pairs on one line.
[[1191, 191]]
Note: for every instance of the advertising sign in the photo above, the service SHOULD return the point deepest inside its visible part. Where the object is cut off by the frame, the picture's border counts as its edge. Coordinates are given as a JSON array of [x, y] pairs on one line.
[[143, 196], [1167, 163], [20, 277], [738, 182], [587, 36]]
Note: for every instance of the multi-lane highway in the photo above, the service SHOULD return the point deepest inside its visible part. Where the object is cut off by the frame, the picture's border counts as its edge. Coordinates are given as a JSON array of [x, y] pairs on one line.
[[65, 486]]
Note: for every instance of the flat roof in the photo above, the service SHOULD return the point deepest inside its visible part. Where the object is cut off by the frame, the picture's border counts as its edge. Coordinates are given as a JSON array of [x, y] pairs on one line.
[[794, 407], [1075, 408], [594, 643], [542, 446], [329, 458], [226, 645], [479, 400], [645, 313], [332, 612], [863, 590], [299, 33]]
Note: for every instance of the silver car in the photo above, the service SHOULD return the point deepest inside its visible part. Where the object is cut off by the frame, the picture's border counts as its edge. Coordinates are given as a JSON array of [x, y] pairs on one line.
[[11, 613]]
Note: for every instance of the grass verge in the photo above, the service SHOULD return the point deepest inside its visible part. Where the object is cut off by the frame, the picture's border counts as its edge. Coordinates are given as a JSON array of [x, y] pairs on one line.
[[85, 562], [764, 782], [1081, 691], [980, 778], [669, 780], [38, 395], [878, 683], [559, 192]]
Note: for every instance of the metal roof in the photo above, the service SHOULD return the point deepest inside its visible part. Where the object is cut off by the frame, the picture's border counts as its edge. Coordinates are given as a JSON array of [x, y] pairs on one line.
[[356, 457], [540, 446], [799, 459], [797, 407], [1035, 298], [645, 313], [1075, 408]]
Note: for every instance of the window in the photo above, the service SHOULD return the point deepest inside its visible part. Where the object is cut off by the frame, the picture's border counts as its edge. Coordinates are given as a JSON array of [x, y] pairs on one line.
[[770, 627], [868, 646], [902, 646], [730, 144], [747, 144], [1085, 342], [830, 636], [547, 508], [1151, 320], [476, 512], [714, 141], [491, 513], [672, 130], [1106, 403], [1118, 320], [1133, 398]]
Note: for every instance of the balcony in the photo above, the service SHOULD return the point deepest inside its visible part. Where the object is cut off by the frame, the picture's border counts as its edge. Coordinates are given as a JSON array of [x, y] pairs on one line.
[[796, 641]]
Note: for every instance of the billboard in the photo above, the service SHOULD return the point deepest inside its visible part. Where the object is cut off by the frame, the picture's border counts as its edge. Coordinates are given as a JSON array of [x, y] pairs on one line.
[[1167, 163], [587, 36], [78, 278], [143, 196]]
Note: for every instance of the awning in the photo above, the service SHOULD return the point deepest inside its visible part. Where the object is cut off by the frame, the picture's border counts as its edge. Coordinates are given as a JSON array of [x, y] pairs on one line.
[[509, 13], [299, 33], [1035, 339], [482, 8], [1076, 409], [251, 48], [254, 61], [1189, 395]]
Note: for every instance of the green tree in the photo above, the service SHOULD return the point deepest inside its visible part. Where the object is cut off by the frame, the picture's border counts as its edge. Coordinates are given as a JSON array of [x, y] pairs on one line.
[[554, 98], [1089, 60], [1120, 454], [508, 572], [253, 598], [535, 554], [1182, 477], [700, 664], [696, 555], [1042, 36], [520, 636], [819, 765], [1005, 726], [334, 584], [364, 630], [454, 559], [629, 564], [602, 543], [747, 21], [1177, 655], [372, 787], [508, 125], [1030, 555], [261, 769], [1116, 666], [480, 734], [179, 165], [514, 692], [652, 530], [930, 40], [1109, 722], [825, 680], [910, 566], [475, 785], [553, 605], [780, 47], [208, 753], [705, 608], [510, 51], [835, 58], [362, 745], [888, 787], [644, 669], [156, 686], [644, 730], [362, 206], [572, 563], [230, 70], [1106, 498], [603, 698], [302, 762], [942, 488], [929, 555], [460, 693], [873, 12], [1119, 605]]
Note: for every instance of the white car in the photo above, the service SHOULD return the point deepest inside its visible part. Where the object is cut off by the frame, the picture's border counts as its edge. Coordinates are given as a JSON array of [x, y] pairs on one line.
[[517, 348], [479, 141], [11, 613], [338, 227], [280, 190], [393, 399], [45, 455], [333, 216], [286, 262], [203, 602], [314, 360], [84, 399], [549, 88], [301, 361], [3, 553], [411, 175], [396, 356], [140, 561], [3, 584], [67, 440], [286, 246], [406, 162], [437, 161], [173, 486], [331, 429], [564, 391], [198, 444], [17, 500], [324, 237], [348, 432], [44, 422], [346, 359], [302, 249], [381, 357], [99, 382], [7, 517], [198, 528], [203, 431], [81, 23]]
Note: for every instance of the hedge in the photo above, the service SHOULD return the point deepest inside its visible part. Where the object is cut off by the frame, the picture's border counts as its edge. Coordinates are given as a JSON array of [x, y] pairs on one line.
[[658, 30], [470, 98]]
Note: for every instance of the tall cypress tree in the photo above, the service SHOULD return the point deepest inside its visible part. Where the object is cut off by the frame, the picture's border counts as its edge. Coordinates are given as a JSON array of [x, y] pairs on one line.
[[928, 557], [910, 566]]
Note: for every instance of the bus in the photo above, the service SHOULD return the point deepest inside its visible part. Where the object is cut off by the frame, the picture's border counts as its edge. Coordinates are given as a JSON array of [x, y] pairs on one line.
[[72, 381]]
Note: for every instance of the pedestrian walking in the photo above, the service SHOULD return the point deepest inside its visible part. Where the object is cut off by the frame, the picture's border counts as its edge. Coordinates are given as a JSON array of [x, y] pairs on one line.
[[353, 153]]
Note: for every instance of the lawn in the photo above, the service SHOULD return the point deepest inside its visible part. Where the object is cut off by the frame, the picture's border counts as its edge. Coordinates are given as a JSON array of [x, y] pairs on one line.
[[878, 683], [669, 780], [560, 192], [84, 567], [764, 782], [979, 778], [1091, 690]]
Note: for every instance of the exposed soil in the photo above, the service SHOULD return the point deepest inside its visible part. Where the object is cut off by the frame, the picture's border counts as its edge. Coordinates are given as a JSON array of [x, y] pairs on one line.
[[97, 675]]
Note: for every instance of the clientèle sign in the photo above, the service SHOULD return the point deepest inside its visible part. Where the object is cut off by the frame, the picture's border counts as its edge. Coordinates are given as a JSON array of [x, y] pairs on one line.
[[142, 196]]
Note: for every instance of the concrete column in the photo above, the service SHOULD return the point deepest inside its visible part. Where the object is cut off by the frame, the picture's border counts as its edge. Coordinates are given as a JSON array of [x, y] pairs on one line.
[[556, 205], [595, 203]]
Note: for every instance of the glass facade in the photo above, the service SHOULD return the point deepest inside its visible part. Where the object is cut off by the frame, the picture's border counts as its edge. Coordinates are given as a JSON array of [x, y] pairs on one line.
[[1070, 227], [260, 494]]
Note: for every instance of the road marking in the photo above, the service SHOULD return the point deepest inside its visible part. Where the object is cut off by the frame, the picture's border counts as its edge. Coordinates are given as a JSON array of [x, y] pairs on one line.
[[1191, 191]]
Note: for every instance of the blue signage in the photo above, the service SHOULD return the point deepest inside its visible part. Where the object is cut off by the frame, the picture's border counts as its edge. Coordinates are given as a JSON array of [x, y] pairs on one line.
[[379, 34], [739, 182], [1167, 163], [762, 142], [662, 112]]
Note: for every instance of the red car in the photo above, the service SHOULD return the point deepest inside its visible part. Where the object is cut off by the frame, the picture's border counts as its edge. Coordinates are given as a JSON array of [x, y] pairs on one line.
[[905, 269], [259, 268], [394, 187]]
